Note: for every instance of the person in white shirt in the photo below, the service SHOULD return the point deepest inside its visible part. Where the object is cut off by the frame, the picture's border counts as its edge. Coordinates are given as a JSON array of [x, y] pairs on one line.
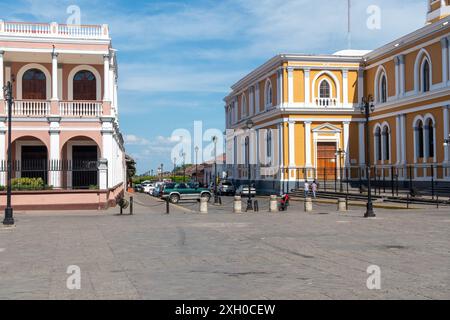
[[306, 189]]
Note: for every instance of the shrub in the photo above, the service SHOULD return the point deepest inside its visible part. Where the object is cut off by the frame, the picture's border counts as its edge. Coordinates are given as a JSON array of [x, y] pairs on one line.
[[25, 184]]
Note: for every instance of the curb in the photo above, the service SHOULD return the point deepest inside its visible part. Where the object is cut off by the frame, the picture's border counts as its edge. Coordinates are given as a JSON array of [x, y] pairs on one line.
[[362, 204]]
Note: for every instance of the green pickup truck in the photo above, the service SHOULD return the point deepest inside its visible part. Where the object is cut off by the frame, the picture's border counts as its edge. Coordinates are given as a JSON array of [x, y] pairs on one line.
[[184, 191]]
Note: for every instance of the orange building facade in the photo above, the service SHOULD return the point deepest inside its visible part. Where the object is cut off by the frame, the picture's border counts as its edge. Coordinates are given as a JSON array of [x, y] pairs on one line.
[[306, 116]]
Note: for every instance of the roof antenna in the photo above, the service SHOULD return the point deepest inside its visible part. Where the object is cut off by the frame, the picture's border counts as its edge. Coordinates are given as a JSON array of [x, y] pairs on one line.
[[349, 24]]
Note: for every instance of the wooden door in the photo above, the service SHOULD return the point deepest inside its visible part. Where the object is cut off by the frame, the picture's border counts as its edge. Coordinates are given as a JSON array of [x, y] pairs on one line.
[[326, 160]]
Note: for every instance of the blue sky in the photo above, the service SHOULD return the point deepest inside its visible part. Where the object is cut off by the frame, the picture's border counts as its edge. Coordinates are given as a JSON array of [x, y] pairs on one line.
[[178, 59]]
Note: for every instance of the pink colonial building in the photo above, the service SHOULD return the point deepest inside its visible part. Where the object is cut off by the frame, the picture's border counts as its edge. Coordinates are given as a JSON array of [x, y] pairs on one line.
[[65, 115]]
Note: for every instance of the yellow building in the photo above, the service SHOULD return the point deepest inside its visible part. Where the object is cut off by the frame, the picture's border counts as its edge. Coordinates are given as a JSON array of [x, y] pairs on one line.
[[306, 116]]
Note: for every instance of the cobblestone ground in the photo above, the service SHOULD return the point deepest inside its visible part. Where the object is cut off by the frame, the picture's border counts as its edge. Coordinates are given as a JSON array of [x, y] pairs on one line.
[[184, 255]]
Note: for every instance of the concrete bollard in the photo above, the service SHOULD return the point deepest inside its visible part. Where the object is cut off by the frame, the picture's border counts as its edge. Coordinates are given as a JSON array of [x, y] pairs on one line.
[[273, 205], [308, 205], [342, 205], [237, 205], [203, 205]]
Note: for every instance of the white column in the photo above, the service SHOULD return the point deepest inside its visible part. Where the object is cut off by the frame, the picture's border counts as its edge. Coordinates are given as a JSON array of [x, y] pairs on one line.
[[307, 87], [401, 60], [258, 150], [280, 87], [360, 84], [308, 144], [111, 87], [2, 80], [397, 76], [55, 76], [103, 174], [106, 77], [55, 155], [362, 143], [2, 154], [403, 139], [345, 86], [257, 104], [280, 149], [290, 84], [291, 126], [444, 47], [346, 126], [398, 136], [107, 140], [446, 132]]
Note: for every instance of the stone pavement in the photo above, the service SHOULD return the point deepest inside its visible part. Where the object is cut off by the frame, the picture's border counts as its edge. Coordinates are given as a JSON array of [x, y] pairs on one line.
[[184, 255]]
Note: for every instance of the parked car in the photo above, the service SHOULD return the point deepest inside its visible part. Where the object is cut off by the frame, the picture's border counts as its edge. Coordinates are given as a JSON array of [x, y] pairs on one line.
[[226, 188], [243, 190], [183, 191], [148, 187], [138, 188]]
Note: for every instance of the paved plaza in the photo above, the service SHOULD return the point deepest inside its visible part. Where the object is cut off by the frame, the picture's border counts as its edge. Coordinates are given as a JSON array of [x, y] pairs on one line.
[[185, 255]]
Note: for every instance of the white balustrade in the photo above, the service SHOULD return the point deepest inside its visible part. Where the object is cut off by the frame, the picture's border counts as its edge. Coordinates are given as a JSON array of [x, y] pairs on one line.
[[88, 109], [26, 28], [54, 30], [31, 108], [326, 102]]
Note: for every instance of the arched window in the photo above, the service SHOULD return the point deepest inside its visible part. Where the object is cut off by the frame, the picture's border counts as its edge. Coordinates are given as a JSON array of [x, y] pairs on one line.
[[383, 89], [378, 149], [269, 143], [84, 86], [324, 90], [386, 143], [268, 95], [34, 85], [430, 128], [426, 82], [420, 142]]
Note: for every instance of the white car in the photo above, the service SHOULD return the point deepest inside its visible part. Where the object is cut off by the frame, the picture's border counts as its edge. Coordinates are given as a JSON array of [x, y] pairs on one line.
[[148, 188]]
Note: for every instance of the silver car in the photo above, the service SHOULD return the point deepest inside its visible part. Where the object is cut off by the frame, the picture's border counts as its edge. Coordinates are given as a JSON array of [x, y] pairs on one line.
[[226, 188]]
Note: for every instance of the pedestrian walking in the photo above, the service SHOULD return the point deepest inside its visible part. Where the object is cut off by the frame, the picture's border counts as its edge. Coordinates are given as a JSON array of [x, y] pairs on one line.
[[314, 187]]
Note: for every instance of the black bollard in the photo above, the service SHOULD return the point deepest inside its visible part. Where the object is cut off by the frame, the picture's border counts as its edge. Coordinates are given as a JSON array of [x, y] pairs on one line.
[[256, 206], [131, 205], [167, 206]]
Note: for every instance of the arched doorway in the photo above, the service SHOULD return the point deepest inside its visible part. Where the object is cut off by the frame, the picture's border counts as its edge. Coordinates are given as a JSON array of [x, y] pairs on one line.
[[81, 155], [34, 85], [30, 157]]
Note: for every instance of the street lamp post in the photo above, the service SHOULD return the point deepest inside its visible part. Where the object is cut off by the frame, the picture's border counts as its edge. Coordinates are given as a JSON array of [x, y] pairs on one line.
[[366, 108], [9, 215], [196, 163], [249, 125], [216, 196], [174, 168], [184, 166], [162, 171]]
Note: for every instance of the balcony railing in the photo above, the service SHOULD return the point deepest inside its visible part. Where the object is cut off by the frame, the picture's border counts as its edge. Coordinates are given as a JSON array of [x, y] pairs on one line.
[[326, 102], [54, 30], [83, 109], [31, 108], [69, 109]]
